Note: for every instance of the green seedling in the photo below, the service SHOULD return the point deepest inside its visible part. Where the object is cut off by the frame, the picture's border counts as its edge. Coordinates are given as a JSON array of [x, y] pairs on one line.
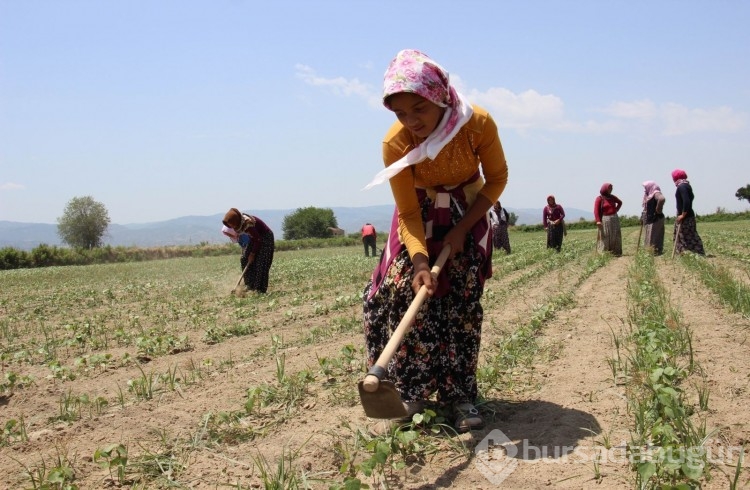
[[113, 457]]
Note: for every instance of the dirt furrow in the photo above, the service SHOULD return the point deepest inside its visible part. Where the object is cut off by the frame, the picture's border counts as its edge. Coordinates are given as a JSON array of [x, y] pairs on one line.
[[577, 404], [721, 348], [565, 412]]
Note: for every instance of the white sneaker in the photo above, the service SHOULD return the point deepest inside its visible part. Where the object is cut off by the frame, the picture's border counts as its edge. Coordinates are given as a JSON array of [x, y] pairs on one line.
[[467, 417]]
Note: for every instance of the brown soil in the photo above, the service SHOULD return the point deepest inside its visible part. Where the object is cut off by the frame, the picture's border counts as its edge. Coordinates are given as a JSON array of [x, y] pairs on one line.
[[568, 399]]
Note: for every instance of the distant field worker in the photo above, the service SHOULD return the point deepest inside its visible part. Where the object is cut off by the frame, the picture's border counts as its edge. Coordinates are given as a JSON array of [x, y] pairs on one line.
[[259, 253], [499, 218], [652, 218], [685, 230], [369, 239], [606, 206], [553, 220]]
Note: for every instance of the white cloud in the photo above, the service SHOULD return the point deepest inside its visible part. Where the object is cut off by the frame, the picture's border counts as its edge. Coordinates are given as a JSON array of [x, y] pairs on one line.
[[673, 119], [531, 110], [526, 110], [12, 186], [641, 109], [339, 85], [678, 120]]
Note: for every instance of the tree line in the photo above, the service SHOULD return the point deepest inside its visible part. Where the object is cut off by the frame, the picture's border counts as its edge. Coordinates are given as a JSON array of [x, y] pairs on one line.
[[85, 221]]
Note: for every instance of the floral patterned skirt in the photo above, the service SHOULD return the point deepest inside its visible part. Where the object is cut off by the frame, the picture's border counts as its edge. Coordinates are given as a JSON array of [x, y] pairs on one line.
[[555, 236], [500, 237], [687, 238], [440, 353], [256, 276]]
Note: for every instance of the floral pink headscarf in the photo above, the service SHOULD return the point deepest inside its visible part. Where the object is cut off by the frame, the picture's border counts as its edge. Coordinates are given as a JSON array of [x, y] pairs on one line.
[[650, 188], [414, 72]]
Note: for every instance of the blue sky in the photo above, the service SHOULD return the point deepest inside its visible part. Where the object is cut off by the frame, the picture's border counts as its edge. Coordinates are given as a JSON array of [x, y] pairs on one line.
[[162, 109]]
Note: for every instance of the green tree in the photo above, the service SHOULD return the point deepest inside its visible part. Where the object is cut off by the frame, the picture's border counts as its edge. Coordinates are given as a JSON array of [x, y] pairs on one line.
[[309, 222], [743, 193], [83, 223], [512, 219]]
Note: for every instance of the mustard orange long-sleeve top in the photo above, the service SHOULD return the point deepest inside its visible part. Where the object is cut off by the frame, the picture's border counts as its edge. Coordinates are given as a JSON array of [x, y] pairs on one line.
[[476, 144]]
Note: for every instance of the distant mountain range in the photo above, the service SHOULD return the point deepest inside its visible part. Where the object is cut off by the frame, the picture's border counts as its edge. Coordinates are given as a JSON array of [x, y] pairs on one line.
[[191, 230]]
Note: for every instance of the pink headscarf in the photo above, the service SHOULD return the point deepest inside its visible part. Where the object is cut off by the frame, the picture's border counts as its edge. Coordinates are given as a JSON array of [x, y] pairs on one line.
[[605, 190], [227, 231], [650, 188], [679, 176], [414, 72]]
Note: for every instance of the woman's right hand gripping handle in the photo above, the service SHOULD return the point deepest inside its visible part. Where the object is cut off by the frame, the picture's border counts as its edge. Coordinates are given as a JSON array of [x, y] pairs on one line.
[[423, 276]]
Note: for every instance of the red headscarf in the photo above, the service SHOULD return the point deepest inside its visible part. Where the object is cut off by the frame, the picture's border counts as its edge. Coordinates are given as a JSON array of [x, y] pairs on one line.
[[678, 174]]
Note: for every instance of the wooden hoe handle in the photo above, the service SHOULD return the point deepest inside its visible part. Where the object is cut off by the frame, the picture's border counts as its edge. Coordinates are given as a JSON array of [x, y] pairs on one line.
[[640, 232], [242, 275], [676, 237], [380, 368]]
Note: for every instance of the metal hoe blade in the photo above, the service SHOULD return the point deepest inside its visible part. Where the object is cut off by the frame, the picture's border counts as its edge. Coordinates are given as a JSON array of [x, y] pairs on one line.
[[384, 403]]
